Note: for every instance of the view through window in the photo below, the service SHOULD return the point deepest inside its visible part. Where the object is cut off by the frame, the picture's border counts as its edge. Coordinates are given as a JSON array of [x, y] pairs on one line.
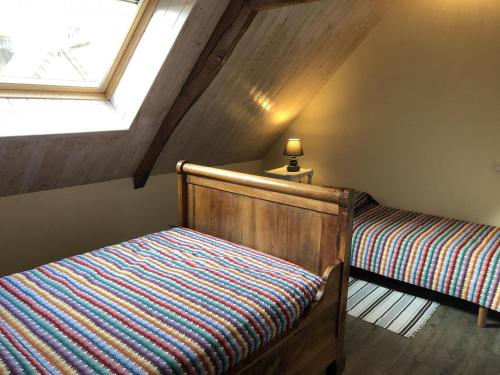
[[62, 42]]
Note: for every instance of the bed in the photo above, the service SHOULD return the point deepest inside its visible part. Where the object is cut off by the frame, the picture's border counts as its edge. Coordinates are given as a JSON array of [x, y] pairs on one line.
[[453, 257], [253, 280]]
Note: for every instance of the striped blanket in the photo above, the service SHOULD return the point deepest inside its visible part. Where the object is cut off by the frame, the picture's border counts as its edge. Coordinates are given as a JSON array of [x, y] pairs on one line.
[[454, 257], [172, 302]]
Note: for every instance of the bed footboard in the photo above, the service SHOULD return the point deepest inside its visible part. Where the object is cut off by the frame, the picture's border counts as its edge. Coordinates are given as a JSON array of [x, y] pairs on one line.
[[312, 345]]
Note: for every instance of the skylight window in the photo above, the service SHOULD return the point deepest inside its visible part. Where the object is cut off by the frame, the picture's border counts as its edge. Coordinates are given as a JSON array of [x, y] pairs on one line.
[[64, 45]]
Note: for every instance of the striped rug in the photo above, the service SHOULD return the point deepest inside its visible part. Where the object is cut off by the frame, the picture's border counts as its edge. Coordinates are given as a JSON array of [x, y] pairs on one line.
[[398, 312]]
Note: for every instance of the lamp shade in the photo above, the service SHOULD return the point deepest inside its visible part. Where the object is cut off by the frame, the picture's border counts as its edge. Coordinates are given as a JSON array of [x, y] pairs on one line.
[[293, 147]]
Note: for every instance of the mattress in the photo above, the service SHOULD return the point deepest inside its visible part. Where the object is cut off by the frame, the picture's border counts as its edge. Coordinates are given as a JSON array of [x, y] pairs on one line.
[[454, 257], [176, 301]]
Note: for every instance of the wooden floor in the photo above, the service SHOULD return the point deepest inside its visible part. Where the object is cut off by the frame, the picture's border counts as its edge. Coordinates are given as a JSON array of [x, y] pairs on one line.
[[450, 343]]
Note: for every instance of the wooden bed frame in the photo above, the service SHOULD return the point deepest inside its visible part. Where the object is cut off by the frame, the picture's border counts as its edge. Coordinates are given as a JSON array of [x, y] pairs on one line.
[[304, 224]]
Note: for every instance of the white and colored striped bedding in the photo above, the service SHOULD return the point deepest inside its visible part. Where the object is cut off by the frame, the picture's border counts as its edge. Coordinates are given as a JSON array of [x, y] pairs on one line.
[[174, 302], [450, 256]]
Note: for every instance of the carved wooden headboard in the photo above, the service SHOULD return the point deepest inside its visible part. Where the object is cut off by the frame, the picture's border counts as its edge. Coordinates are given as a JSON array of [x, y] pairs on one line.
[[308, 225]]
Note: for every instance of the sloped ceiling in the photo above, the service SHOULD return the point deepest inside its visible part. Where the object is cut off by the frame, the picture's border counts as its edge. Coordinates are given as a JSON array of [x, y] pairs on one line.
[[46, 162], [279, 65], [281, 62]]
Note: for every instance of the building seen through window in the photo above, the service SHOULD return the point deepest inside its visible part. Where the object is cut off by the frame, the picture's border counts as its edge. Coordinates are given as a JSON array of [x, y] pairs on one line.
[[62, 42]]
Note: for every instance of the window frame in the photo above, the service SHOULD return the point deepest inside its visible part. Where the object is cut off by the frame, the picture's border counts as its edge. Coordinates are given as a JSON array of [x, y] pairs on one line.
[[112, 78]]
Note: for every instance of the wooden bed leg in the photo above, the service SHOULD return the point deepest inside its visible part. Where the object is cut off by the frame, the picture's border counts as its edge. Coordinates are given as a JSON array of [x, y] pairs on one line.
[[482, 317], [337, 367]]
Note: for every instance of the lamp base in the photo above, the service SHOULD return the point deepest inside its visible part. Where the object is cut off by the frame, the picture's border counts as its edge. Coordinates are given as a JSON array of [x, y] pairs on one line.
[[293, 165]]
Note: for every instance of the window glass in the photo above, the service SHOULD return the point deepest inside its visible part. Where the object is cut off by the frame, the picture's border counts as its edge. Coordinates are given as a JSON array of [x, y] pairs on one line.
[[62, 42]]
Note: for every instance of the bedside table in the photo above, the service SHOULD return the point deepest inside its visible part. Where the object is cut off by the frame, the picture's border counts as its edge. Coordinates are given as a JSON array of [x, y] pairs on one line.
[[283, 174]]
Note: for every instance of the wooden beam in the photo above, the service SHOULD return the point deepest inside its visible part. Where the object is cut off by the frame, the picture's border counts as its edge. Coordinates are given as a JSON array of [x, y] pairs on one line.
[[260, 5], [233, 24]]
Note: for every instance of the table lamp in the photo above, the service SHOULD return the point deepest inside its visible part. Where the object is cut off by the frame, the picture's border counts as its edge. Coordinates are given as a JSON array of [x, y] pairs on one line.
[[293, 149]]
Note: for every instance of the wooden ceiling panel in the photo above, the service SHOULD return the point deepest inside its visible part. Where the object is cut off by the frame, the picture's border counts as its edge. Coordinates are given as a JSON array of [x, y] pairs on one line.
[[281, 62], [36, 163]]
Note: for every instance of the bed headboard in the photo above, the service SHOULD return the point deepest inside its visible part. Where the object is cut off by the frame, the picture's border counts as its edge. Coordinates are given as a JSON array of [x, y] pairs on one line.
[[308, 225]]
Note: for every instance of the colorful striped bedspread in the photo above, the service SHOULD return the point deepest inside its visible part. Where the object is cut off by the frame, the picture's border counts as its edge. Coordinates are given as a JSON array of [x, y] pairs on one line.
[[172, 302], [449, 256]]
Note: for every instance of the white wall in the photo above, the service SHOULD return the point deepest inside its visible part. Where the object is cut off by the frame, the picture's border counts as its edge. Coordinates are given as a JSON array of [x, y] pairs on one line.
[[39, 227], [413, 117]]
